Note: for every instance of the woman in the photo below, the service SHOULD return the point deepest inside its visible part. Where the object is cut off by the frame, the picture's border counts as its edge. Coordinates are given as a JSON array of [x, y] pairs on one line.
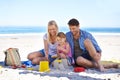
[[50, 45]]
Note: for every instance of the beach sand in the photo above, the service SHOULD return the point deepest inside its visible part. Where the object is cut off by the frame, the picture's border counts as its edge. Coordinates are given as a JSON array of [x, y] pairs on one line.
[[109, 44]]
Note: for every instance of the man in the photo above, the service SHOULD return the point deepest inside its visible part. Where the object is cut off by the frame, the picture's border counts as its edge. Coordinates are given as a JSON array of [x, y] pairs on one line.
[[85, 49]]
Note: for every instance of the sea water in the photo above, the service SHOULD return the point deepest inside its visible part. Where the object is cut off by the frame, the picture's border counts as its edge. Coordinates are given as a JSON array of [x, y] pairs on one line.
[[24, 30]]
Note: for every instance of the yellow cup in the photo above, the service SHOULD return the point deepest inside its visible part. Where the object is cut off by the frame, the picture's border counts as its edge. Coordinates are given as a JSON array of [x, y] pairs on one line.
[[44, 66], [0, 67]]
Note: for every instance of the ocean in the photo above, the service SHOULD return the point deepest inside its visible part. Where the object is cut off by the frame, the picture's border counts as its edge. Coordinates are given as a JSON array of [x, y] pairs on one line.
[[43, 29]]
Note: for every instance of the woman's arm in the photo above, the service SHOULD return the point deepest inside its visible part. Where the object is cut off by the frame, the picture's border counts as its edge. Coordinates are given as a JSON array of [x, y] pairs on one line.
[[46, 48]]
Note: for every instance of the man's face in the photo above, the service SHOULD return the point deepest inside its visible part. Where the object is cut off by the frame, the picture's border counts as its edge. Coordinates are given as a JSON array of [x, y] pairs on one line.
[[74, 29]]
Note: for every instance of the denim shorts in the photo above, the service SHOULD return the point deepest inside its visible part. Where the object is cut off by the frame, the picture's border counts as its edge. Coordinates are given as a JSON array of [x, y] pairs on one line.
[[49, 56], [85, 55], [42, 52]]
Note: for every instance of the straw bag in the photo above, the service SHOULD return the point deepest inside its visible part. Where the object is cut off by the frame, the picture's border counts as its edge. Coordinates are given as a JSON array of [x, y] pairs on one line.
[[12, 57]]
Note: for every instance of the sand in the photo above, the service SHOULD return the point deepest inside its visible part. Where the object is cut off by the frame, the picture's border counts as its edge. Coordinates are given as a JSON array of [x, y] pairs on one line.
[[27, 43]]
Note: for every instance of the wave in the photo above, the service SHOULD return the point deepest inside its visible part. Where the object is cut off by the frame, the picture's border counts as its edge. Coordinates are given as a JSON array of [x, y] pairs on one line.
[[12, 31], [109, 34]]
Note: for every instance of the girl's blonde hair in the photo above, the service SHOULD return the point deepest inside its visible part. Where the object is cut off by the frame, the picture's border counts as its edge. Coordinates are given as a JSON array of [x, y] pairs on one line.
[[50, 23], [61, 35]]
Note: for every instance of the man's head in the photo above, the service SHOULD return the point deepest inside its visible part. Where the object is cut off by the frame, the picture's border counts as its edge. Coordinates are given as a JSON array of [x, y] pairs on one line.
[[74, 26], [73, 22]]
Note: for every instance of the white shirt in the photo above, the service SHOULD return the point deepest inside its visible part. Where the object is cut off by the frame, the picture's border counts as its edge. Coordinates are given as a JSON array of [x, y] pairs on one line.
[[52, 48]]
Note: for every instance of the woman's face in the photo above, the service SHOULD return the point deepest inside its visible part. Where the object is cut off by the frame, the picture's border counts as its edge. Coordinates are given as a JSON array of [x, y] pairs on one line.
[[52, 29]]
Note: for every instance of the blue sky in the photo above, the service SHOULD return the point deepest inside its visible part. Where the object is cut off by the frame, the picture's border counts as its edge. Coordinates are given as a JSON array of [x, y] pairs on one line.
[[90, 13]]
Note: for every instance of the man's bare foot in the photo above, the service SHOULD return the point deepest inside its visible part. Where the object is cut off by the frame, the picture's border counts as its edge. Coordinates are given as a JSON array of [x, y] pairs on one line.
[[113, 65], [100, 66]]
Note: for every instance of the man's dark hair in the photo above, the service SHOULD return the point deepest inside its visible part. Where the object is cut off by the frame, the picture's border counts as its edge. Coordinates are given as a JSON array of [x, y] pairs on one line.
[[73, 22]]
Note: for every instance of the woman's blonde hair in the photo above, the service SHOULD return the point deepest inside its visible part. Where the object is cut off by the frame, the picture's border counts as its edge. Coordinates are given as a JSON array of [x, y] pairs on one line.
[[50, 23]]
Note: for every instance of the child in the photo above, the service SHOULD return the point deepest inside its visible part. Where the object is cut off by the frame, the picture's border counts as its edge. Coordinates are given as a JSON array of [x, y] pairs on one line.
[[63, 48]]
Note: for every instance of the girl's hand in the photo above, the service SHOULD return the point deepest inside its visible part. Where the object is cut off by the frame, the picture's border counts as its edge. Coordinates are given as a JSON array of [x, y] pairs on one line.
[[63, 56], [59, 48]]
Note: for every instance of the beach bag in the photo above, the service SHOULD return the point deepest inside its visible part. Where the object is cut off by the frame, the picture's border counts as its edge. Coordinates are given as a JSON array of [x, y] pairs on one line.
[[12, 57]]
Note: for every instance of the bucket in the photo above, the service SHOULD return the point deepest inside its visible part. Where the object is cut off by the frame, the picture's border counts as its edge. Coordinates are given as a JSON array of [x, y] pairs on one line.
[[44, 66]]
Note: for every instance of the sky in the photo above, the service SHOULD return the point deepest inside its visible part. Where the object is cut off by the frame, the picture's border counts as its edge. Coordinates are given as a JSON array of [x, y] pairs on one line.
[[90, 13]]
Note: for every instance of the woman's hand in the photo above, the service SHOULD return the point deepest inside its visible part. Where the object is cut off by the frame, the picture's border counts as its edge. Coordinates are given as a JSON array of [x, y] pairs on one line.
[[46, 56]]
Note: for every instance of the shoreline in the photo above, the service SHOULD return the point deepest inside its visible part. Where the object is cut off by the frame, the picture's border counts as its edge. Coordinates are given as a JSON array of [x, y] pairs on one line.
[[93, 33]]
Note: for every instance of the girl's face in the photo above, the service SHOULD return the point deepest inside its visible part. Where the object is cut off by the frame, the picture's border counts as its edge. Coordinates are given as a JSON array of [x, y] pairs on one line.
[[52, 29], [61, 40]]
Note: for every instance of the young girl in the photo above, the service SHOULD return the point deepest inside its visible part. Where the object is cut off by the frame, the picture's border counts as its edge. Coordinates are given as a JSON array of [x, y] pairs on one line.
[[63, 48]]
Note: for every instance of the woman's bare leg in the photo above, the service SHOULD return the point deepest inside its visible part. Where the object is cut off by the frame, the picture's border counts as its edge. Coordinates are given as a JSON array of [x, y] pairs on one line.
[[36, 57]]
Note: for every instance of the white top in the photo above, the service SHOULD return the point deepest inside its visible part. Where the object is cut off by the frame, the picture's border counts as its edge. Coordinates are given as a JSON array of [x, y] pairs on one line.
[[52, 48]]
